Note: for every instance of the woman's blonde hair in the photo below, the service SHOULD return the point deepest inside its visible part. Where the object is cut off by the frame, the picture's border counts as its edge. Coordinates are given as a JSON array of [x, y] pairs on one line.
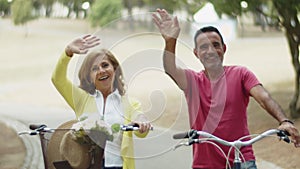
[[84, 73]]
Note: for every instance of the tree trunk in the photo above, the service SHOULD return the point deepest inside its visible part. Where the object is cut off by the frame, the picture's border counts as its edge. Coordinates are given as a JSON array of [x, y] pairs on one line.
[[294, 110], [291, 24], [130, 21], [48, 11]]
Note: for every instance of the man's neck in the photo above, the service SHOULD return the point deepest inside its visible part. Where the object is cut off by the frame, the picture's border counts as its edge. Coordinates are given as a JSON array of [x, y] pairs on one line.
[[214, 73]]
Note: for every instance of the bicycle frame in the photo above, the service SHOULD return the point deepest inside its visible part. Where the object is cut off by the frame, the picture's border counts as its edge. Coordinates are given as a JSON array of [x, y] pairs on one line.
[[193, 137]]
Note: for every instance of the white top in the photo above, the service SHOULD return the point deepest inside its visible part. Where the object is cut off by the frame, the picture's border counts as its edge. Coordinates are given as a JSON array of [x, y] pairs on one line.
[[112, 112]]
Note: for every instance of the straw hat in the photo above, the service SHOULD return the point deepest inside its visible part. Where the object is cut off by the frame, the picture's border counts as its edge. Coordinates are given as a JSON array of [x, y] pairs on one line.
[[62, 147]]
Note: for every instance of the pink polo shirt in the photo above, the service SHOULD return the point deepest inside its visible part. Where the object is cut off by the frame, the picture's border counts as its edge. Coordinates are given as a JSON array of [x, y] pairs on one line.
[[219, 107]]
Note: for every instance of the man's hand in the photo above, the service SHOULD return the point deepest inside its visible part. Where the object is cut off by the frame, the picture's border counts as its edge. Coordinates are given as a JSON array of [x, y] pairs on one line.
[[168, 26], [82, 45], [292, 130]]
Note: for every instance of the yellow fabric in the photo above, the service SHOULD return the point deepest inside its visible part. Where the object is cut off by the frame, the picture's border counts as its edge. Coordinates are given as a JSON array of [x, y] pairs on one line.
[[82, 102]]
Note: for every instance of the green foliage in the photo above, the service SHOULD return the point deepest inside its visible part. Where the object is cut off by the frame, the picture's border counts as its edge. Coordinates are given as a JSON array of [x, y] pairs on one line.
[[169, 5], [48, 6], [115, 128], [229, 7], [74, 5], [4, 7], [193, 6], [104, 11], [22, 11], [133, 3]]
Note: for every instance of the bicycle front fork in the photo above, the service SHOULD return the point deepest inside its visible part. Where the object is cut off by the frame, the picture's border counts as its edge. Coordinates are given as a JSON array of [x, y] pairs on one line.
[[237, 165]]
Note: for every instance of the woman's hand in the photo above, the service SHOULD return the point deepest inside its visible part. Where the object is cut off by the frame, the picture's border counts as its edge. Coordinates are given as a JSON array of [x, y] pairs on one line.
[[143, 123], [82, 45]]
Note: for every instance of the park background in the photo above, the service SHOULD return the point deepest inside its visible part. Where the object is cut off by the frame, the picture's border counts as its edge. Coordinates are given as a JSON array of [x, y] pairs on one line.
[[29, 53]]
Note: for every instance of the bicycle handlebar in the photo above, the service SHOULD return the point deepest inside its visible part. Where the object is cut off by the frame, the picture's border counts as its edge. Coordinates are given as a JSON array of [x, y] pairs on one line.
[[38, 128], [193, 136]]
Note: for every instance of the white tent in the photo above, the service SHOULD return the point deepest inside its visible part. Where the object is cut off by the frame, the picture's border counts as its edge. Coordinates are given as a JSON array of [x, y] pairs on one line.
[[208, 16]]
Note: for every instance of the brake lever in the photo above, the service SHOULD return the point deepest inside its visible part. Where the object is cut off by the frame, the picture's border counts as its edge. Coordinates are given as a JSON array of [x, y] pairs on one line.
[[180, 145], [191, 141]]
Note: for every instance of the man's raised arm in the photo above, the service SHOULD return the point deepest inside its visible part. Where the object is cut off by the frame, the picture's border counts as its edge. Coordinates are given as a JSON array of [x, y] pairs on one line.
[[169, 29]]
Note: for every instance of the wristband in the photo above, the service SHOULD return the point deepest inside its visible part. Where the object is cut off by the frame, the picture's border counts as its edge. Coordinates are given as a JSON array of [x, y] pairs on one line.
[[286, 120]]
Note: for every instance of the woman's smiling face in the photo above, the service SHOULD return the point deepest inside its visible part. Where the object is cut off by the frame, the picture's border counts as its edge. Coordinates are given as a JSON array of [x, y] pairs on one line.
[[103, 74]]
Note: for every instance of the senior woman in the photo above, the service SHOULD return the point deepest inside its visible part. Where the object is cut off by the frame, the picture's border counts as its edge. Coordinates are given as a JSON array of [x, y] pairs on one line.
[[101, 91]]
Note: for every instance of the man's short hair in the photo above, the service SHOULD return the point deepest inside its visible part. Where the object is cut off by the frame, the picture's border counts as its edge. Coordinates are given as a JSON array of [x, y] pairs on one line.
[[207, 29]]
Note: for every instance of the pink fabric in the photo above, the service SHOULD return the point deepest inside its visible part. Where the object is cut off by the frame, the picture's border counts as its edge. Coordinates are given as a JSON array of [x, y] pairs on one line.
[[219, 107]]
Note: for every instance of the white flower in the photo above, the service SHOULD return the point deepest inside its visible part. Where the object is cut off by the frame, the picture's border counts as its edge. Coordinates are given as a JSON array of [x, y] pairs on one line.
[[91, 122]]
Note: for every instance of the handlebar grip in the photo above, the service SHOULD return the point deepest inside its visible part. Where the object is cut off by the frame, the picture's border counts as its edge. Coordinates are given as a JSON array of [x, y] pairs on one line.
[[285, 132], [37, 126], [181, 135], [192, 134], [284, 135], [131, 127]]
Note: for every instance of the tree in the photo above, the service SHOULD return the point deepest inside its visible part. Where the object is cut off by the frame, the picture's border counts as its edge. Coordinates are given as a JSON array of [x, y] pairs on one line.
[[103, 12], [191, 7], [288, 17], [4, 8], [22, 12], [68, 4], [129, 4], [48, 6], [169, 5], [75, 6], [286, 14]]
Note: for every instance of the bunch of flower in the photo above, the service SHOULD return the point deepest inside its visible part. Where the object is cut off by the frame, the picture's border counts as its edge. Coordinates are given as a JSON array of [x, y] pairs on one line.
[[91, 129]]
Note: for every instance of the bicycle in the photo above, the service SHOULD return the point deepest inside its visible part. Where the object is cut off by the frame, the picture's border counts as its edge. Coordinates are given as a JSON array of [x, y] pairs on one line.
[[46, 133], [193, 138]]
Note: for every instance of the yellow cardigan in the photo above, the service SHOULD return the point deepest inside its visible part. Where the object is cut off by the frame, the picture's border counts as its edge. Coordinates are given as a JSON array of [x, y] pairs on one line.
[[81, 101]]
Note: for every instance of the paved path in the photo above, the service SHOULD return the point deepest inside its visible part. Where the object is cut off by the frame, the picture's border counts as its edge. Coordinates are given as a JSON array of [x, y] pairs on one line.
[[12, 149], [17, 152], [24, 152]]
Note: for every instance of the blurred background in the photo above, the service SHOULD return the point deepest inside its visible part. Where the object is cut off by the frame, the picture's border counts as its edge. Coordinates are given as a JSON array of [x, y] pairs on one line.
[[261, 35]]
